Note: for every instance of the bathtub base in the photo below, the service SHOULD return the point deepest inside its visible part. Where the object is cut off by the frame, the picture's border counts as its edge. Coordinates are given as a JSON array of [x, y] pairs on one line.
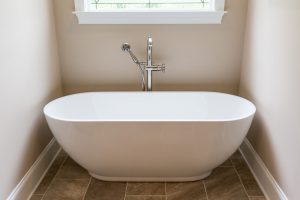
[[151, 179]]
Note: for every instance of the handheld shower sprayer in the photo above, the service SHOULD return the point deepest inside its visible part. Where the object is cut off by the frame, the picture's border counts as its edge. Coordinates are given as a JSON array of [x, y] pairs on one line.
[[126, 48]]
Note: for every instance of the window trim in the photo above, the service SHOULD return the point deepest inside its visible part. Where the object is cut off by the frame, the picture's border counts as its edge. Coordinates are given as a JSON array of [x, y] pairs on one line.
[[150, 16]]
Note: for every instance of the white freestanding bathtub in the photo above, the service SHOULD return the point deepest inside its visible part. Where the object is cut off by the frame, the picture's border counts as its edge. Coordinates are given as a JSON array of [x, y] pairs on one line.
[[150, 136]]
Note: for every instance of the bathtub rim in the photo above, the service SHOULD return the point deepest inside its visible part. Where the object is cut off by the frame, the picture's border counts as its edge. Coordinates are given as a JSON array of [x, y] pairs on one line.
[[251, 113]]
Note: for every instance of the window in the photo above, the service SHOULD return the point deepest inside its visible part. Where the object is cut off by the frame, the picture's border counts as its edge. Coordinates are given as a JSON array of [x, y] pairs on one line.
[[149, 11], [98, 5]]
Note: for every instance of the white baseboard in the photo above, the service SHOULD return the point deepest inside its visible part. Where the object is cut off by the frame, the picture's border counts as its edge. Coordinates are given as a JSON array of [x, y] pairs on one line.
[[266, 181], [35, 174]]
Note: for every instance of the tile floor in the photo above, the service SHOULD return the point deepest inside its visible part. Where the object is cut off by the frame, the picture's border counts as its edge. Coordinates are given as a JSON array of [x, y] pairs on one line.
[[66, 180]]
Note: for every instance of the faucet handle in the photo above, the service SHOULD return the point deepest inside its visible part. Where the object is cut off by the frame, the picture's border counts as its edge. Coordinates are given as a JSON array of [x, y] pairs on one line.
[[163, 68]]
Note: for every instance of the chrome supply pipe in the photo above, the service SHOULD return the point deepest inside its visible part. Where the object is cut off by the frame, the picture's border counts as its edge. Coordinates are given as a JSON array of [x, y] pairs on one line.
[[149, 64], [150, 67]]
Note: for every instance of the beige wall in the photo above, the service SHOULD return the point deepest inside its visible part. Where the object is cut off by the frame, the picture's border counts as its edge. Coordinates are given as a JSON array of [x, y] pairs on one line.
[[29, 78], [270, 78], [198, 57]]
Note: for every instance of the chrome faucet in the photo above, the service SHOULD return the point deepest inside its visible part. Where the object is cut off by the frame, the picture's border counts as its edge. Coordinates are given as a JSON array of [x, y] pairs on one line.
[[145, 67]]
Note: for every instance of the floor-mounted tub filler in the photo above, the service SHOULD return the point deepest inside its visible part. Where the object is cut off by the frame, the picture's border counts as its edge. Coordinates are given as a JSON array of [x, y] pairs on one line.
[[150, 136]]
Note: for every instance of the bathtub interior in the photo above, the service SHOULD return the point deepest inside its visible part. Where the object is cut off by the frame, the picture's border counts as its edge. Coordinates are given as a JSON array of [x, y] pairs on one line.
[[154, 106]]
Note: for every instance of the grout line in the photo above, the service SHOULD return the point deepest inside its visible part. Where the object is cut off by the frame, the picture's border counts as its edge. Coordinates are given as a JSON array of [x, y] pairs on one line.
[[240, 179], [203, 181], [125, 190], [87, 188], [54, 176]]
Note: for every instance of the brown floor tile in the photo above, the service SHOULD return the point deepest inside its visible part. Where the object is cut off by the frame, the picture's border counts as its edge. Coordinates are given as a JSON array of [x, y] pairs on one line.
[[187, 191], [71, 183], [145, 189], [56, 165], [227, 163], [66, 189], [62, 153], [71, 170], [36, 197], [224, 184], [139, 197], [50, 175], [252, 187], [236, 154], [237, 160], [246, 176], [105, 190]]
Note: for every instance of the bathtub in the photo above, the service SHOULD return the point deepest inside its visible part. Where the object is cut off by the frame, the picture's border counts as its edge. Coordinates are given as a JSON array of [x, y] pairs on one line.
[[150, 136]]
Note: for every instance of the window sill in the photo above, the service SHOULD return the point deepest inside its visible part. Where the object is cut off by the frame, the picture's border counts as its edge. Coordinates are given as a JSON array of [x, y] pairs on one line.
[[150, 17]]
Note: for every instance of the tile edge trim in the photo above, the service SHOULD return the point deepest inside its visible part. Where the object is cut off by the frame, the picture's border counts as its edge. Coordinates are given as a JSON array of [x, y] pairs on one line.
[[36, 173], [266, 181]]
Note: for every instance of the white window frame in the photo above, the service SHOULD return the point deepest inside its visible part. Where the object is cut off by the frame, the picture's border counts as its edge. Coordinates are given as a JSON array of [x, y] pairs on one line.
[[150, 16]]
